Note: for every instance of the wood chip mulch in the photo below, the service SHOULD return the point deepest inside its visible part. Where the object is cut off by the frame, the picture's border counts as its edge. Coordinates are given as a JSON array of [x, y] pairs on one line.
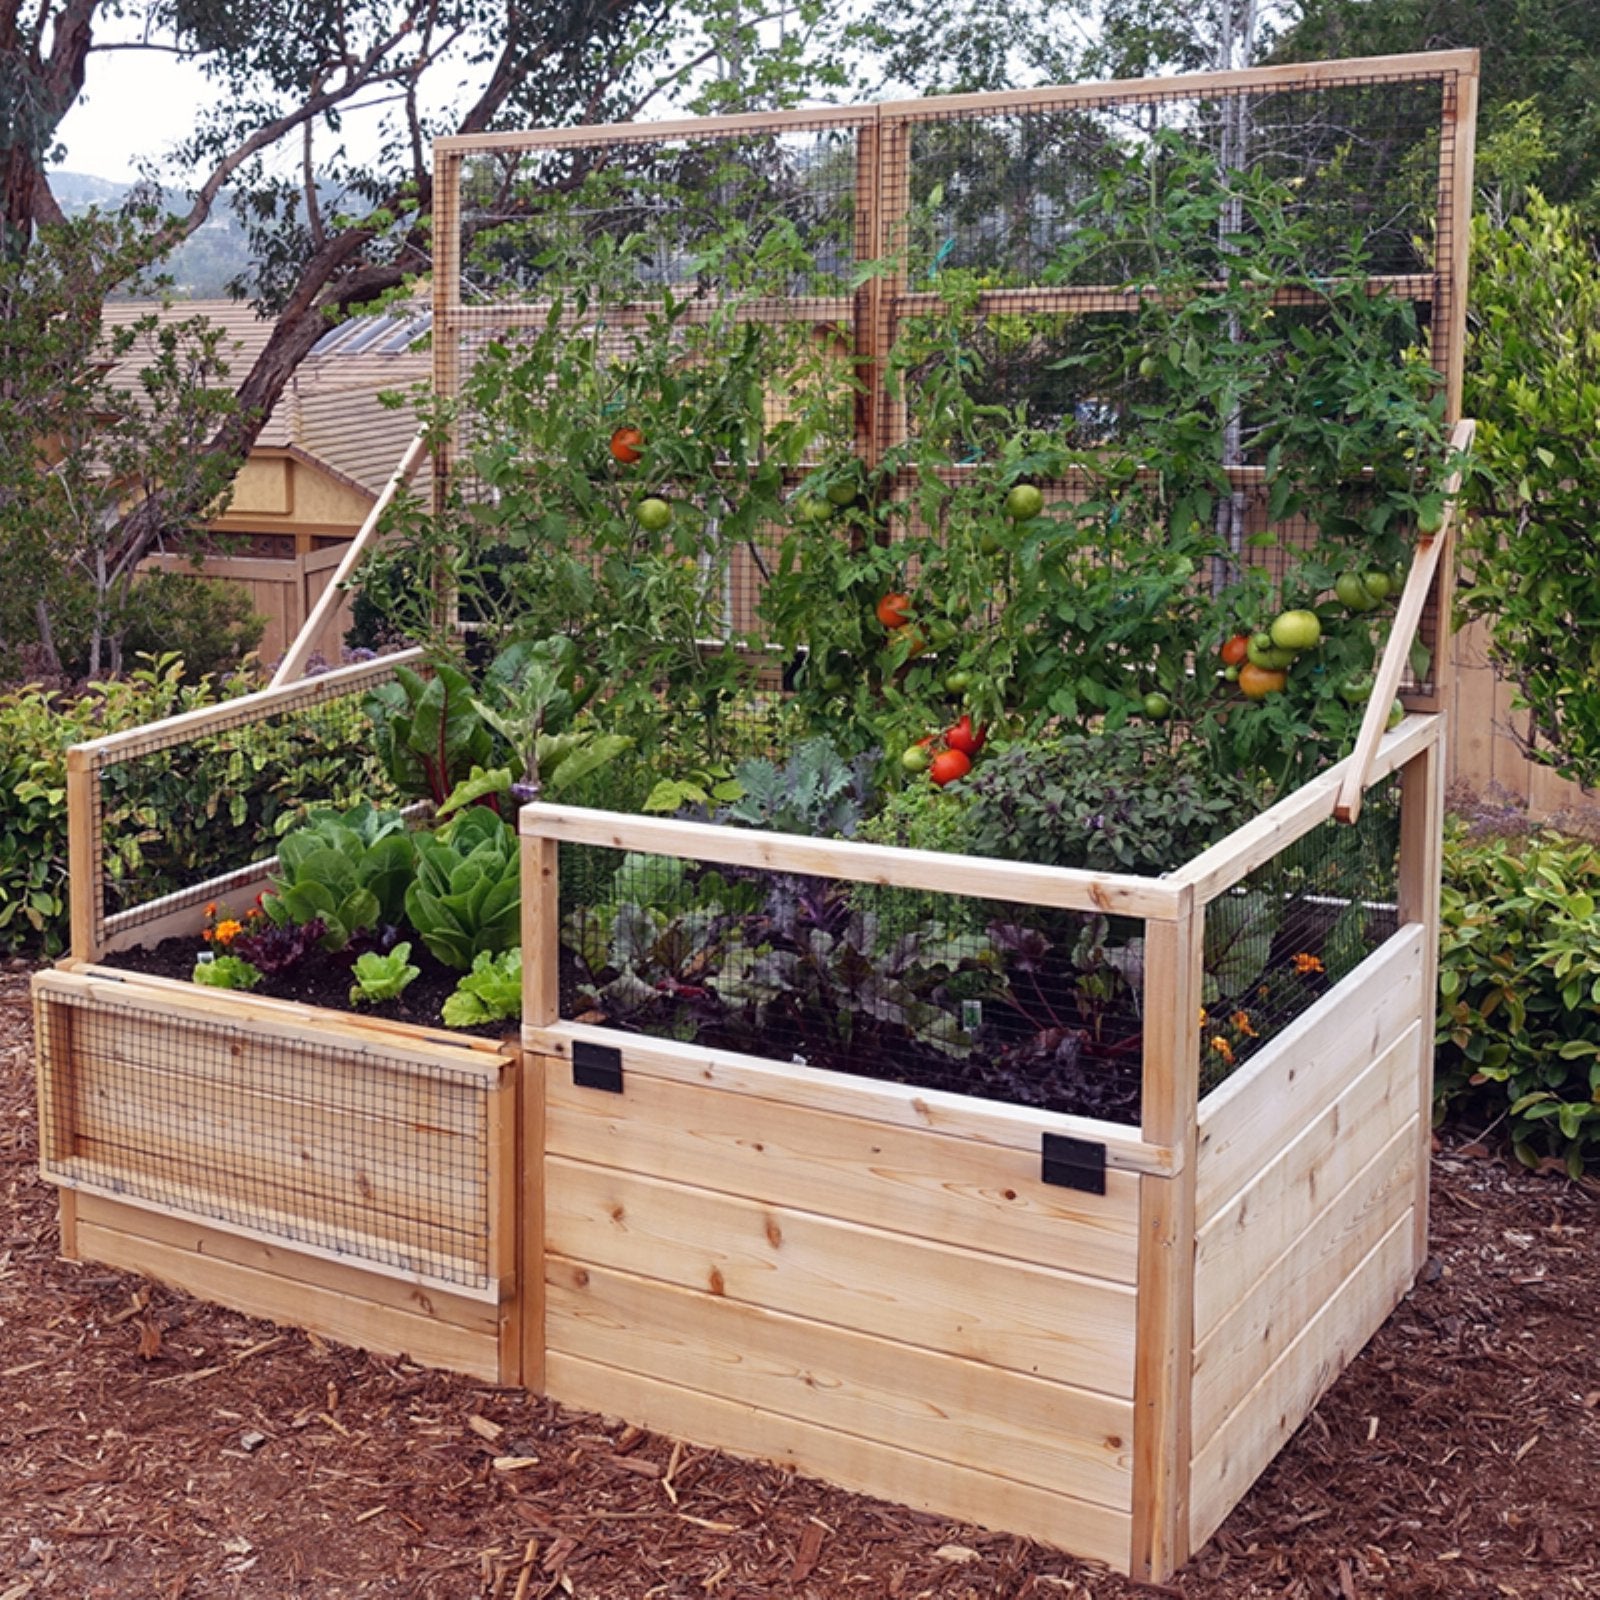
[[153, 1446]]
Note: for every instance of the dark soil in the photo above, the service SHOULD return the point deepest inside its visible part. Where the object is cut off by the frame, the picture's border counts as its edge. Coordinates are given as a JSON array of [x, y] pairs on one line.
[[323, 979], [153, 1446]]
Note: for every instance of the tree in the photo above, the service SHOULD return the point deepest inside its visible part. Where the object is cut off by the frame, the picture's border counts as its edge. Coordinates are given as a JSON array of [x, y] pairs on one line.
[[348, 231], [1543, 53], [84, 461]]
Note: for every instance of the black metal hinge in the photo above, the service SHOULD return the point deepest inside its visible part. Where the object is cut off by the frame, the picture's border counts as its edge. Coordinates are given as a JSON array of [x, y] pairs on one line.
[[596, 1066], [1074, 1163]]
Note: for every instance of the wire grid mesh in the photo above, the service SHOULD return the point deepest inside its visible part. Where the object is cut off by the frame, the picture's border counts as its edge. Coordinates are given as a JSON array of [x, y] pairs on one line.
[[1033, 213], [1021, 1004], [378, 1158], [171, 815], [1288, 932]]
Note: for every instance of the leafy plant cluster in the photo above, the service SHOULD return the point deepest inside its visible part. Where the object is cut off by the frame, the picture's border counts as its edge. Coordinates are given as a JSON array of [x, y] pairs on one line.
[[1519, 987], [36, 727]]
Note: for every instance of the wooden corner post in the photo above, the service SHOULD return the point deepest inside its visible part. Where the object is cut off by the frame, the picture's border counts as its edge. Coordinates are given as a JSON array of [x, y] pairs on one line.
[[541, 1006], [1165, 1341], [83, 855], [1421, 856]]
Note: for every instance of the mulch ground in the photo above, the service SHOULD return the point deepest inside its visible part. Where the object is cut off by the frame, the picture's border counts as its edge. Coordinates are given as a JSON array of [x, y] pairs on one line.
[[153, 1446]]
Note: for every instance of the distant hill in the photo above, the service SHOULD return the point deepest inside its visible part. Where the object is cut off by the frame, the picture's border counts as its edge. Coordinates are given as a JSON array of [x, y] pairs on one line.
[[202, 267]]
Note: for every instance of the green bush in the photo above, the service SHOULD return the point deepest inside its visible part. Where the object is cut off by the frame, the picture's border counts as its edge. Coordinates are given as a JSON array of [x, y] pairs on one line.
[[36, 726], [1519, 986]]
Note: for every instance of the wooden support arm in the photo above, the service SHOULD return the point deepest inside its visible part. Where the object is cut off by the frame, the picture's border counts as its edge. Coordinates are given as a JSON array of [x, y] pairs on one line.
[[1396, 652]]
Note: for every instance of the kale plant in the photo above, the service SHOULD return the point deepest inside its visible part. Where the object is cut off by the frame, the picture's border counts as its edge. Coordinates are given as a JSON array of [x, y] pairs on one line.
[[815, 793]]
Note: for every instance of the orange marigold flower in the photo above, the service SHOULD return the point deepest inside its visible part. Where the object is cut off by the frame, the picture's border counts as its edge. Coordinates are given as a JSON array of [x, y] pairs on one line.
[[1241, 1020], [211, 909], [1222, 1048], [1304, 964], [228, 931], [1203, 1016], [206, 934]]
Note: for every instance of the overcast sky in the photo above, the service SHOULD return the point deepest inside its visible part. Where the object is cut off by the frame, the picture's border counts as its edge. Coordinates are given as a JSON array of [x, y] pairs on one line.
[[135, 104]]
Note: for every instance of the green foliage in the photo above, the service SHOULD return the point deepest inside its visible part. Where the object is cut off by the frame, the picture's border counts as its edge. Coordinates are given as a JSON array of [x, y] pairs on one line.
[[226, 972], [429, 734], [491, 992], [382, 977], [466, 898], [1528, 552], [815, 793], [1127, 800], [350, 871], [36, 726], [1519, 988], [207, 622]]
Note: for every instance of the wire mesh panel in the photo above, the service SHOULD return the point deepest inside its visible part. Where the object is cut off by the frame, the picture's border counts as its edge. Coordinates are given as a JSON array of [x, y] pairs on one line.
[[179, 809], [1283, 936], [355, 1151], [906, 297], [1022, 1004]]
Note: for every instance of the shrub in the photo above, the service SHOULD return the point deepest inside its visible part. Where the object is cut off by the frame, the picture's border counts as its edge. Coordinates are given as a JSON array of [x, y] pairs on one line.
[[1519, 986], [1125, 800], [36, 726]]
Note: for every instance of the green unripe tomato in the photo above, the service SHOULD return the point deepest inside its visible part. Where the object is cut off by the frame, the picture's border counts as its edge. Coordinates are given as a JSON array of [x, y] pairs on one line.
[[988, 544], [915, 758], [842, 494], [1352, 592], [1024, 503], [809, 511], [1149, 367], [1355, 691], [957, 682], [1396, 715], [1157, 707], [653, 514], [1231, 674], [1271, 658], [1377, 584], [1296, 630]]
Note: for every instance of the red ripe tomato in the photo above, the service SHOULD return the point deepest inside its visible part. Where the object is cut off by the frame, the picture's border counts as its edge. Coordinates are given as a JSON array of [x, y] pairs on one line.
[[626, 444], [965, 738], [1235, 650], [949, 765], [894, 610]]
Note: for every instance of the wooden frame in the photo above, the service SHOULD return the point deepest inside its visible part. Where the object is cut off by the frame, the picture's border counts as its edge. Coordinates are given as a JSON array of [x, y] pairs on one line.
[[759, 1256], [93, 933]]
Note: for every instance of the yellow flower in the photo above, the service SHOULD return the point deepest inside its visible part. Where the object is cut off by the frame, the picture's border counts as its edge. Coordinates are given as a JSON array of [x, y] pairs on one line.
[[228, 931], [1304, 964], [1203, 1016], [1222, 1048], [1241, 1021]]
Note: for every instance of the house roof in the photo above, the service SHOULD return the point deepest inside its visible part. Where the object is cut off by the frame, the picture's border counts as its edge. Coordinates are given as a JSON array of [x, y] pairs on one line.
[[329, 414]]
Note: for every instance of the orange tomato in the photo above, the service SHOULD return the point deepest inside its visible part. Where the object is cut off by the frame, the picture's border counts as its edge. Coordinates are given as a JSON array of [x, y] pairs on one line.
[[626, 444], [1256, 683], [894, 610], [1234, 651]]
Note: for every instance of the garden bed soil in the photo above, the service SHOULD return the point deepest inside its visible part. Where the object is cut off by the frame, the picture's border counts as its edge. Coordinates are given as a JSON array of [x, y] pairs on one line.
[[153, 1445], [322, 980], [1057, 1078]]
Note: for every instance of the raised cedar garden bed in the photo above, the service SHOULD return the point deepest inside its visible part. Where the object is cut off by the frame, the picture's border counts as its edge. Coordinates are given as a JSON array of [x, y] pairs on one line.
[[1068, 1261]]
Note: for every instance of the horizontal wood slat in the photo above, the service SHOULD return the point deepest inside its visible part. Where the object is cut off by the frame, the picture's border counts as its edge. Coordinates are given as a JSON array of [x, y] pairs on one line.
[[1072, 1329], [1245, 1122], [1016, 1427], [1266, 1217], [1231, 1459], [927, 1185], [863, 1465], [1269, 1315], [870, 1099]]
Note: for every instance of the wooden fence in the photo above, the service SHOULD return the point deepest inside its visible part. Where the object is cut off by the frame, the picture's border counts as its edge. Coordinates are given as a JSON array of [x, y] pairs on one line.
[[282, 589]]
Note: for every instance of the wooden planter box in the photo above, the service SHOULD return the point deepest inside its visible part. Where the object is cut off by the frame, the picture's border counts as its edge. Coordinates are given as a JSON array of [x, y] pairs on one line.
[[1091, 1334], [352, 1178]]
